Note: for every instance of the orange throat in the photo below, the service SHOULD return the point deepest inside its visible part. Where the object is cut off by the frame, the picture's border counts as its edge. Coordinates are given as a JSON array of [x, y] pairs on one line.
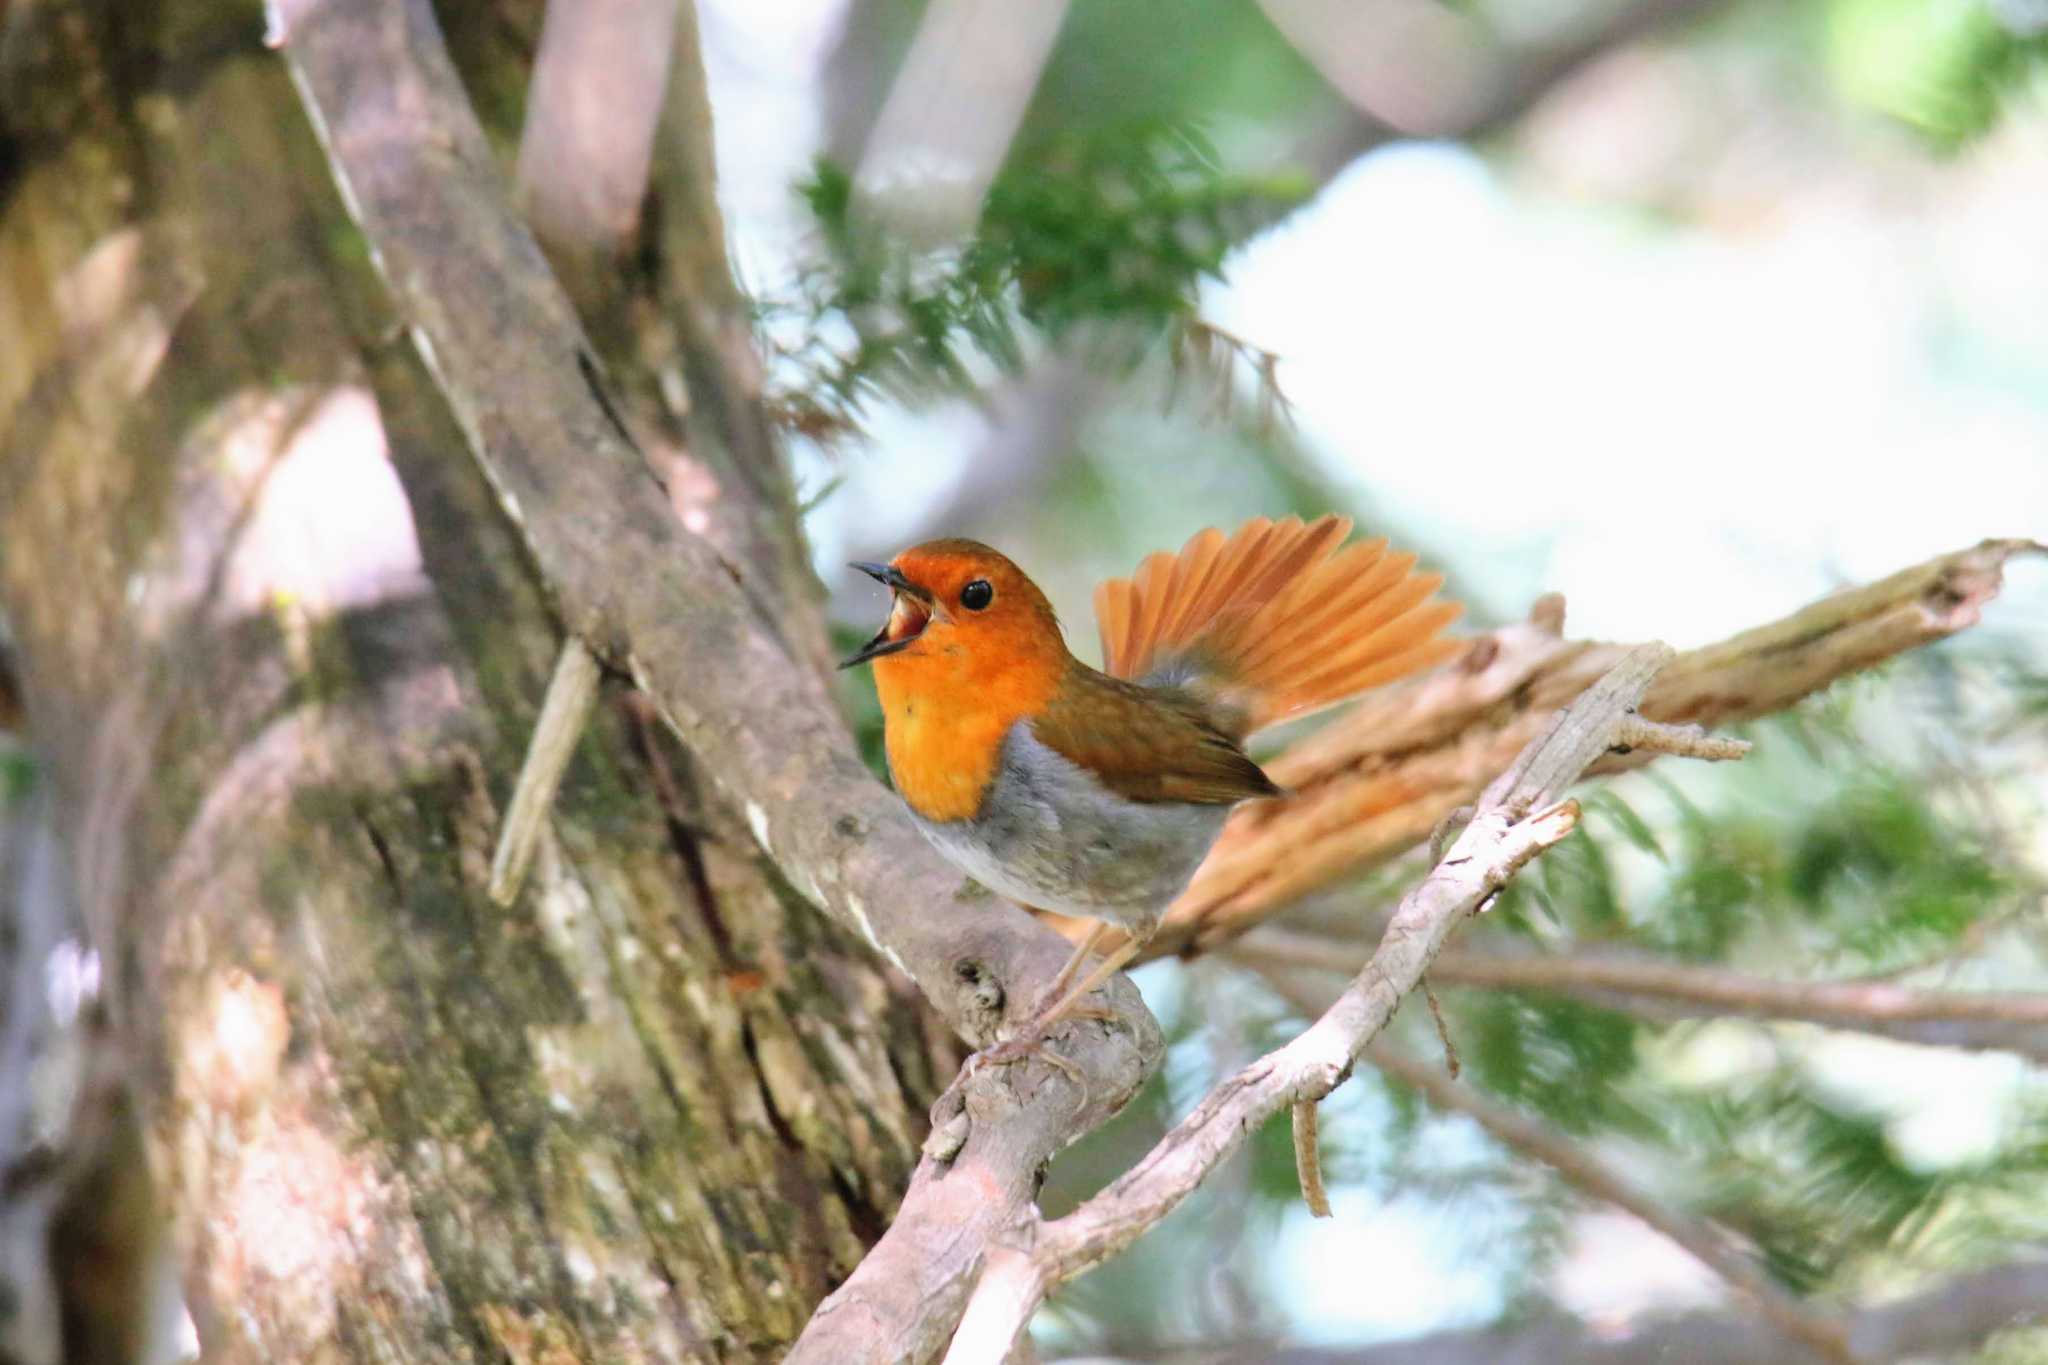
[[946, 710]]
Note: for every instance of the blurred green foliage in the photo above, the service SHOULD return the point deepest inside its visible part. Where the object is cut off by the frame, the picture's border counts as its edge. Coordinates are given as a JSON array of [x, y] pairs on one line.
[[1873, 867], [1822, 1188], [1947, 69], [1103, 235], [17, 775]]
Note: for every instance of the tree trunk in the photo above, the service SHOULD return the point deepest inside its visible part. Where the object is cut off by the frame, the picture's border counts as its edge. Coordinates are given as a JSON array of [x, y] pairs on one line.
[[280, 654]]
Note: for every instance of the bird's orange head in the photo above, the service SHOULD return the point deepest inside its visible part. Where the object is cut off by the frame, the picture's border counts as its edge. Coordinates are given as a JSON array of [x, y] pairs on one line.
[[971, 646]]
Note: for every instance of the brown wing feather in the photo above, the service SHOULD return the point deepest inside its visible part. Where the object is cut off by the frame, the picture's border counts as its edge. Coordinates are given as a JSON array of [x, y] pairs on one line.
[[1274, 620], [1147, 744]]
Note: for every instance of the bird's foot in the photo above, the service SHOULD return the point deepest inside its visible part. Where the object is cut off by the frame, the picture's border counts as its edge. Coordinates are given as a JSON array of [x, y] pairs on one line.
[[1056, 1005], [1030, 1045], [1030, 1042]]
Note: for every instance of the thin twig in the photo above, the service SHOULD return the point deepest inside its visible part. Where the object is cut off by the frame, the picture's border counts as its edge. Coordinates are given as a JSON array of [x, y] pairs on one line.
[[1689, 741], [1443, 1030], [1947, 1320], [571, 695], [1308, 1159]]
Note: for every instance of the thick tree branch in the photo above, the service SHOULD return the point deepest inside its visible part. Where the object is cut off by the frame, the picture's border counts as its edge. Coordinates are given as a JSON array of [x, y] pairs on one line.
[[703, 636], [1518, 817], [698, 632], [1375, 782], [1422, 69], [2014, 1021], [591, 110]]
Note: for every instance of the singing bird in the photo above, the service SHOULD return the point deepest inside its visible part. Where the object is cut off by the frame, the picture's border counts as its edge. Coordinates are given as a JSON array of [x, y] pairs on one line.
[[1098, 793]]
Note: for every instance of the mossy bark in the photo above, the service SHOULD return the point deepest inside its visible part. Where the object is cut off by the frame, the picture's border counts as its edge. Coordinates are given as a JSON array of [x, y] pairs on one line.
[[280, 654]]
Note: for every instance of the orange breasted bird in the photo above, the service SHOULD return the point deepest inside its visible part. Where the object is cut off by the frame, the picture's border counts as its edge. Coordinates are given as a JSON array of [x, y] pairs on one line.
[[1098, 793]]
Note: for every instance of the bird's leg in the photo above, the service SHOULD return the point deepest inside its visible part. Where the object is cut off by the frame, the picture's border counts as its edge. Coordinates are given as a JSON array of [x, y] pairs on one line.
[[1059, 983], [1031, 1042], [1068, 1003]]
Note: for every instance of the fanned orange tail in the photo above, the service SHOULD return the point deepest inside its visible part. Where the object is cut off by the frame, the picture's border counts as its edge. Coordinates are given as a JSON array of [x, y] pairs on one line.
[[1274, 621]]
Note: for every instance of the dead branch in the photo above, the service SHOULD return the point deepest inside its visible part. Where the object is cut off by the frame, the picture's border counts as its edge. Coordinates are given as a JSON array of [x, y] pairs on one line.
[[1308, 1159], [1518, 817], [2014, 1021], [571, 695], [1374, 783]]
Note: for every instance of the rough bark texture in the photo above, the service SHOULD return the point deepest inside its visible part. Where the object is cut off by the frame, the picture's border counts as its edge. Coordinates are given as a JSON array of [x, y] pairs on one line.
[[279, 652]]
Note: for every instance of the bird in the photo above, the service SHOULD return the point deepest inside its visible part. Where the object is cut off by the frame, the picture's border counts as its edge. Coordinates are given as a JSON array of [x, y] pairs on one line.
[[1098, 792]]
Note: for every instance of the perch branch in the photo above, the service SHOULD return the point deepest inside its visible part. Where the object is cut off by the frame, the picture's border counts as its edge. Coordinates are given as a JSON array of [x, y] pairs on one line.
[[1519, 816]]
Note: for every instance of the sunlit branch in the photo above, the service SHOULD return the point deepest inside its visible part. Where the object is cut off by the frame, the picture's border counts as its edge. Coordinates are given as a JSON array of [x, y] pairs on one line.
[[1519, 816]]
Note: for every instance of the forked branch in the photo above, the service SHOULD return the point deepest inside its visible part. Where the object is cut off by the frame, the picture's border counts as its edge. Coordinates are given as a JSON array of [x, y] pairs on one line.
[[1521, 814]]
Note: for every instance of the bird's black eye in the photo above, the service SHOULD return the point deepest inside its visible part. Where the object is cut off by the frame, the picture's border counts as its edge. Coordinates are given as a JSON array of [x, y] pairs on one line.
[[977, 595]]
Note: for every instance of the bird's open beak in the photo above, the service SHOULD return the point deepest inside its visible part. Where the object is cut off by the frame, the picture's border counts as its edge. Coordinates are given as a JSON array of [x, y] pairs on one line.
[[908, 615]]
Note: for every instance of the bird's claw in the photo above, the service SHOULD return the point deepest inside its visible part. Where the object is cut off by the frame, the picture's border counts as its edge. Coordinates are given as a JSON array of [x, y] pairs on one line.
[[1031, 1044]]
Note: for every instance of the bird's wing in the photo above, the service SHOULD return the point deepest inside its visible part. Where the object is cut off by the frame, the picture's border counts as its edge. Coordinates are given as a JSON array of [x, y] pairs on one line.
[[1274, 620], [1147, 744]]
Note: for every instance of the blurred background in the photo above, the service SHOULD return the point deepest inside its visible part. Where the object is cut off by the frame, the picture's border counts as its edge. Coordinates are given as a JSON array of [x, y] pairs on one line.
[[1690, 311]]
